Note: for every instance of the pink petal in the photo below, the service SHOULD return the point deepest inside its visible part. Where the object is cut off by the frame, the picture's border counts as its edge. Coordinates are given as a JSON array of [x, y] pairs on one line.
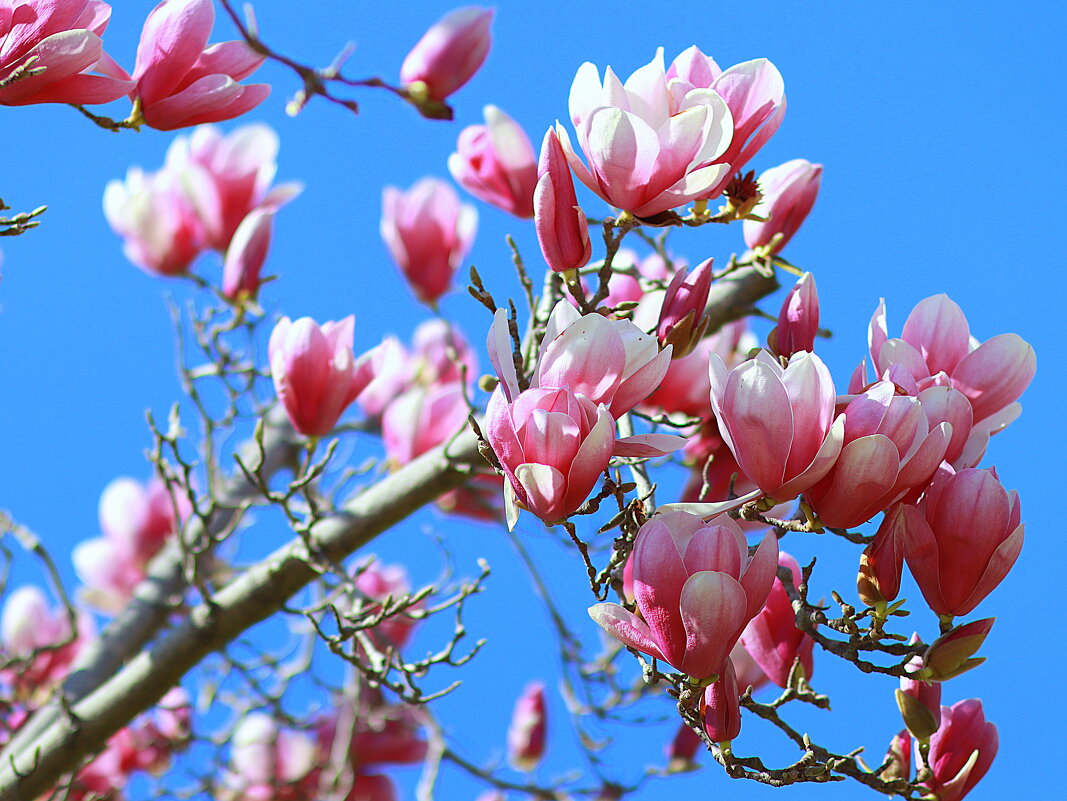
[[712, 609], [625, 627]]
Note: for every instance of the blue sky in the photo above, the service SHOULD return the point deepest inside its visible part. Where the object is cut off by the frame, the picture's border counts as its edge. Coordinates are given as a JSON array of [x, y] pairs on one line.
[[937, 125]]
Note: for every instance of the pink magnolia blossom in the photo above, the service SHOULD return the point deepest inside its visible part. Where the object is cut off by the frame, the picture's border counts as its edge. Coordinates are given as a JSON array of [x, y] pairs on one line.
[[49, 50], [157, 219], [315, 375], [30, 630], [421, 419], [246, 254], [448, 54], [962, 538], [772, 638], [527, 732], [789, 191], [882, 562], [961, 751], [683, 749], [181, 81], [749, 673], [681, 318], [919, 702], [936, 349], [779, 422], [953, 653], [798, 321], [378, 581], [136, 519], [496, 163], [720, 708], [888, 449], [228, 177], [562, 230], [695, 587], [428, 234], [647, 151], [754, 92], [268, 762]]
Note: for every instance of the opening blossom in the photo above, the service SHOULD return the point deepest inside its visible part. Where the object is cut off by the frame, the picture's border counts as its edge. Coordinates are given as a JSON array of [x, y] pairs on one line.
[[789, 192], [428, 233], [496, 163], [181, 81], [961, 751], [695, 587], [49, 50], [647, 150]]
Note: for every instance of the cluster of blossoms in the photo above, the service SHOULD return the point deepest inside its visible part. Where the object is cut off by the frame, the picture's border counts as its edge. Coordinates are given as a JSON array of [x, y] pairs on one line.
[[53, 53]]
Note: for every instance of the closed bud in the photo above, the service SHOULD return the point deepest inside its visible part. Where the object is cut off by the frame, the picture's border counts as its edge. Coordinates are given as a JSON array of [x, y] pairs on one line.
[[562, 230], [681, 318], [881, 562], [445, 58], [953, 652], [899, 756], [526, 735], [722, 712], [798, 321], [789, 192]]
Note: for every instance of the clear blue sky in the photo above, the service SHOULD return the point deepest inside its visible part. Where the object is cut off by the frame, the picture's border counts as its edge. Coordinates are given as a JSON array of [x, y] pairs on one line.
[[939, 128]]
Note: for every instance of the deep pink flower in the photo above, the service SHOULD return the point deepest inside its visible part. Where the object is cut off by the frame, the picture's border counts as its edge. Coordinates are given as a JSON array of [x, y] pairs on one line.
[[55, 45], [961, 751], [779, 422], [882, 562], [789, 191], [695, 587], [228, 177], [496, 163], [899, 756], [798, 320], [888, 449], [682, 750], [448, 54], [181, 81], [754, 92], [315, 374], [648, 152], [562, 230], [936, 349], [919, 702], [428, 234], [772, 638], [749, 673], [527, 732], [720, 708], [962, 539], [681, 318], [136, 520], [158, 221]]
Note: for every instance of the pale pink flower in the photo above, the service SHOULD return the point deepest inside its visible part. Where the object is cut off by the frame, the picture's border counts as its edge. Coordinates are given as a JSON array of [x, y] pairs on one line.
[[448, 54], [158, 221], [562, 230], [29, 631], [246, 254], [936, 349], [136, 519], [779, 422], [496, 163], [789, 192], [772, 638], [798, 320], [961, 751], [181, 81], [695, 587], [266, 760], [889, 448], [428, 233], [753, 90], [229, 176], [962, 538], [49, 50], [527, 732], [422, 418], [648, 152], [315, 375]]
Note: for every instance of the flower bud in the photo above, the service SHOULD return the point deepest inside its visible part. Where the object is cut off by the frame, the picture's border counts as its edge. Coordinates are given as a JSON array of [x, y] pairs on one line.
[[446, 57], [562, 230], [919, 702], [899, 758], [722, 713], [881, 562], [681, 318], [789, 192], [496, 163], [246, 254], [526, 735], [953, 652], [798, 321]]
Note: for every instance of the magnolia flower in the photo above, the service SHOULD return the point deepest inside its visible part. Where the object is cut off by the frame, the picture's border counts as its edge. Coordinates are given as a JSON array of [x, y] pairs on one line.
[[496, 163], [448, 54], [789, 191]]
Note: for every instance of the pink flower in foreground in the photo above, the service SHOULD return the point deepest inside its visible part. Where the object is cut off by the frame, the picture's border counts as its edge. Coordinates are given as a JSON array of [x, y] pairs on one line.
[[48, 50], [936, 349], [496, 163], [962, 539], [772, 638], [754, 92], [428, 233], [789, 191], [779, 422], [448, 54], [136, 520], [889, 448], [315, 374], [961, 751], [695, 587], [562, 230], [648, 152], [228, 177], [181, 81], [527, 732], [158, 221]]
